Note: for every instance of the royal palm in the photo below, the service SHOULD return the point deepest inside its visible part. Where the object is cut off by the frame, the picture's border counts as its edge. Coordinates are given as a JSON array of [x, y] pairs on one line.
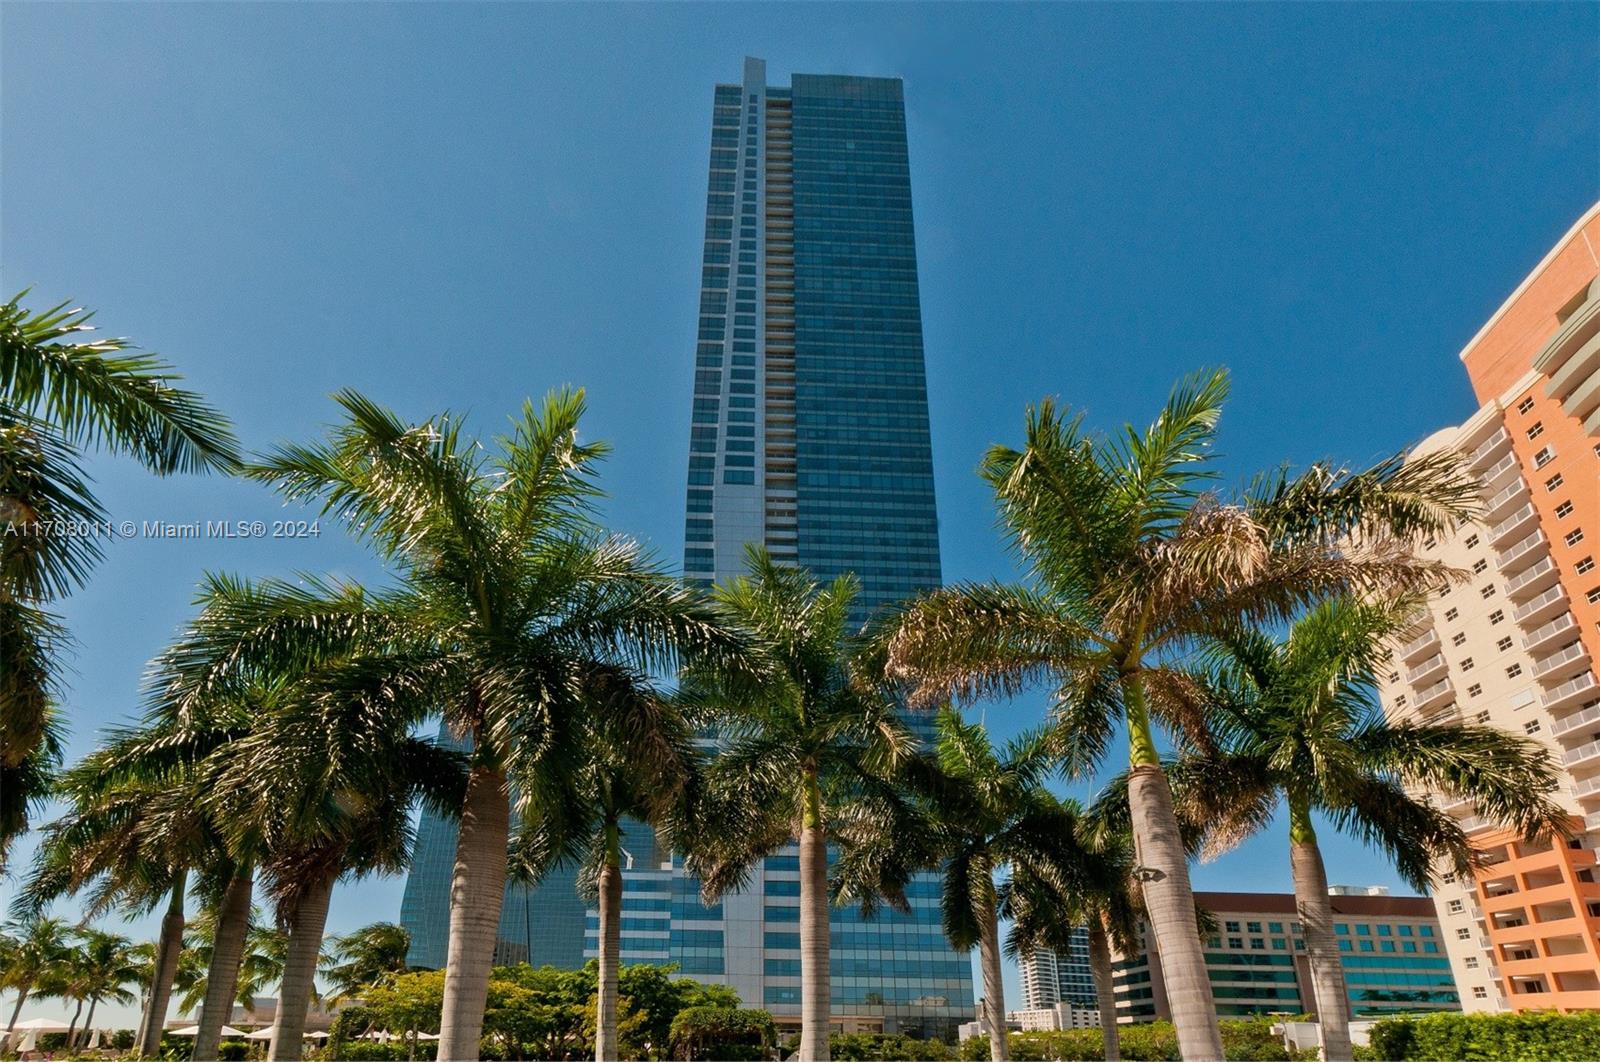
[[645, 772], [513, 607], [1300, 729], [1133, 558], [971, 812], [797, 731], [59, 397]]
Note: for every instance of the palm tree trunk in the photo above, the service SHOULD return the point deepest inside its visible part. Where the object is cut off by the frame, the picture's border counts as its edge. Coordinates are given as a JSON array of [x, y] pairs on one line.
[[1163, 873], [606, 1048], [88, 1021], [814, 988], [227, 952], [1322, 949], [16, 1012], [300, 969], [72, 1026], [477, 891], [994, 989], [169, 948], [1105, 993]]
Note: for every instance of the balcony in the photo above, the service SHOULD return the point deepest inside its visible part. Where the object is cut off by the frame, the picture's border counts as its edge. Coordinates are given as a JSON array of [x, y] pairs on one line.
[[1474, 824], [1431, 666], [1591, 821], [1588, 717], [1582, 754], [1531, 580], [1569, 691], [1518, 520], [1587, 788], [1507, 494], [1536, 639], [1415, 647], [1435, 694], [1541, 606], [1490, 445], [1499, 469], [1524, 552], [1561, 661]]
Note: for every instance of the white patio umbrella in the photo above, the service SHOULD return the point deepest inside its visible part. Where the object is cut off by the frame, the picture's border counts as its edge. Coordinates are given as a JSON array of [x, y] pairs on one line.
[[261, 1034], [319, 1035], [43, 1025], [427, 1036], [194, 1030]]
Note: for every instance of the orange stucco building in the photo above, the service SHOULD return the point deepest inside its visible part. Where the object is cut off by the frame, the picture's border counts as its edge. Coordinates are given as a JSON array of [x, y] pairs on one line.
[[1517, 645]]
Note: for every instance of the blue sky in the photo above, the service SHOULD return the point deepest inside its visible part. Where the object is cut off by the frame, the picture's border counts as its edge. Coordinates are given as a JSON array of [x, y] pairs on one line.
[[456, 206]]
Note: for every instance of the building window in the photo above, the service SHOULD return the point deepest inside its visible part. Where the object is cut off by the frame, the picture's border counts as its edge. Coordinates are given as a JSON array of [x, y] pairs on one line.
[[1472, 541], [1513, 671], [1553, 482], [1257, 944], [1536, 429], [1564, 510], [1480, 566], [1451, 613], [1394, 676], [1472, 962], [1252, 927], [1573, 537], [1236, 942], [1467, 664], [1531, 726], [1430, 543], [1463, 933], [1457, 906], [1525, 406], [1585, 566], [1481, 717], [1503, 644], [1475, 689], [1231, 927], [1487, 592], [1458, 638], [1594, 596], [1479, 992], [1365, 945], [1496, 616], [1544, 457]]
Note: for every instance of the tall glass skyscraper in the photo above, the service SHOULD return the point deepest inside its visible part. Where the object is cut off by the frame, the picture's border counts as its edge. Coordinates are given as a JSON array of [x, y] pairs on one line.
[[809, 435]]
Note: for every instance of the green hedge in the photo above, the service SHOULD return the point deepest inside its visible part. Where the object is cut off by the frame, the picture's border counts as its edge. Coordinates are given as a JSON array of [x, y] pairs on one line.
[[1156, 1041], [887, 1047], [1536, 1036]]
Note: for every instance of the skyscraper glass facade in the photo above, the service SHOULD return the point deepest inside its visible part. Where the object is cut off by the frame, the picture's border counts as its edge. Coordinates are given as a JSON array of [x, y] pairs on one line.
[[1051, 977], [809, 435]]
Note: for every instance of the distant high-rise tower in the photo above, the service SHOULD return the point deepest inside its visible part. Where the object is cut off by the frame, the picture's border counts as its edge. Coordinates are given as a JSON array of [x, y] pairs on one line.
[[810, 436], [1051, 977]]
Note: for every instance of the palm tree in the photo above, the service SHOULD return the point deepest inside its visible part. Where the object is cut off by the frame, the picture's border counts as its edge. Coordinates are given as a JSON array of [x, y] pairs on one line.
[[799, 733], [35, 952], [133, 832], [370, 956], [645, 772], [514, 606], [1300, 727], [59, 397], [1132, 560], [973, 812], [1105, 907], [110, 963]]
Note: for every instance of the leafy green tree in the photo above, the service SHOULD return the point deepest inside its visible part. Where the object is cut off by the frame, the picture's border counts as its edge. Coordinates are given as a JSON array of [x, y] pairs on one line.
[[515, 615], [35, 953], [1133, 557], [59, 397], [799, 733], [972, 812], [365, 958], [1300, 727], [721, 1032]]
